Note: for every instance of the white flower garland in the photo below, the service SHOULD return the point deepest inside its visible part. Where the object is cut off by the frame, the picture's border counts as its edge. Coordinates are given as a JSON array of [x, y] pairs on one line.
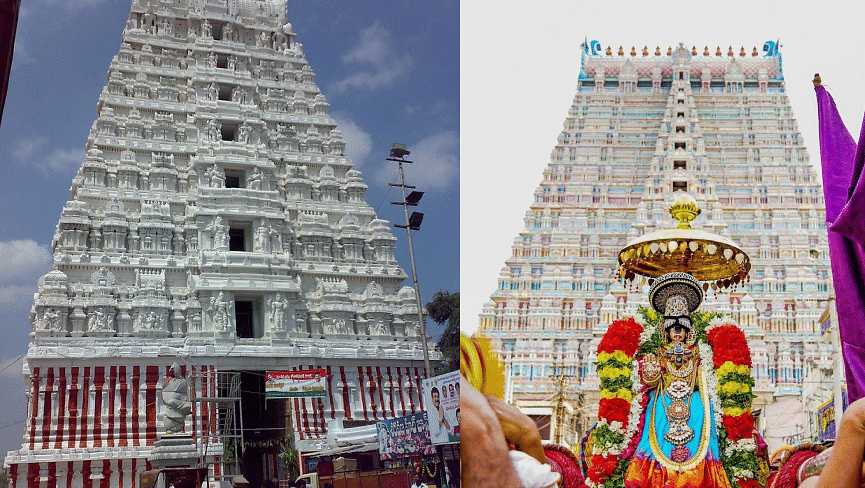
[[707, 362], [740, 445], [740, 473], [635, 413], [648, 332], [719, 322]]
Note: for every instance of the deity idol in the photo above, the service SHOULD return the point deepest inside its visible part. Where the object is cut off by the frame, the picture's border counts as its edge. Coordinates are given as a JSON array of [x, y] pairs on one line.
[[675, 407], [679, 443]]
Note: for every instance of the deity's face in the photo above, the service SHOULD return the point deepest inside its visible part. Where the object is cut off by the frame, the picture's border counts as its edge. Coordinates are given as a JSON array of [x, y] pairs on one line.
[[677, 333]]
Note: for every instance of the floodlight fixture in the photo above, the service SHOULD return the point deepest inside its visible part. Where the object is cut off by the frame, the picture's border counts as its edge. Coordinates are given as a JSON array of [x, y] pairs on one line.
[[399, 151], [415, 220], [413, 198]]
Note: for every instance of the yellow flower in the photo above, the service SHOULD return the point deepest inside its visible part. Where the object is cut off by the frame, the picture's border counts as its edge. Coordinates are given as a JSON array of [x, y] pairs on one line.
[[726, 368], [613, 372], [731, 387], [734, 411], [651, 314], [618, 355], [730, 367], [622, 393]]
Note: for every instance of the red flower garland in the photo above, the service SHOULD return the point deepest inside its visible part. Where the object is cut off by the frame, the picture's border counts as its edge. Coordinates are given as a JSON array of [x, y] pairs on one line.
[[615, 409], [740, 427], [602, 467], [752, 483], [623, 335], [729, 344]]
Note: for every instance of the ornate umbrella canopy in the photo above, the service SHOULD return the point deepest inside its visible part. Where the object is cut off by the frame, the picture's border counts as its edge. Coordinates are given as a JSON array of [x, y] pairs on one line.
[[712, 259]]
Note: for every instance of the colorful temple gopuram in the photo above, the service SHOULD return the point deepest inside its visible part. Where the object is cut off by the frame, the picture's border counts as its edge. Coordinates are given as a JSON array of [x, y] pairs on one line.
[[642, 128]]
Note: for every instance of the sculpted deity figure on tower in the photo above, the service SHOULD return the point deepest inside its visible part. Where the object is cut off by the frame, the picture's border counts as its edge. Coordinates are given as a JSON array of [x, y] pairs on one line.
[[278, 306], [175, 396]]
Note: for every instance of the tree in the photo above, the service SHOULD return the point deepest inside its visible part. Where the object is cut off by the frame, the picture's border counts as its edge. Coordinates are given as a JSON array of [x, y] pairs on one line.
[[444, 308]]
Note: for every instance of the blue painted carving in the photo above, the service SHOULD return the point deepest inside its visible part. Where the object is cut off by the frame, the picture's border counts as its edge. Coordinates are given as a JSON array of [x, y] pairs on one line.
[[595, 46], [586, 46], [771, 48]]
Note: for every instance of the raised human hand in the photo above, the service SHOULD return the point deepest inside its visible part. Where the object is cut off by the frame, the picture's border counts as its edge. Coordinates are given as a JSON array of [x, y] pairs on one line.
[[520, 431]]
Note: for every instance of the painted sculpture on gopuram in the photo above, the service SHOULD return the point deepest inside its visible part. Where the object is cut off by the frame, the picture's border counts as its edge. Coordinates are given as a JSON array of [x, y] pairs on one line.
[[675, 408]]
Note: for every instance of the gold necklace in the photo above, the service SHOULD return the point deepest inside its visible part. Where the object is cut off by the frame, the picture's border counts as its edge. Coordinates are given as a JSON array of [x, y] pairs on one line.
[[679, 410], [703, 446]]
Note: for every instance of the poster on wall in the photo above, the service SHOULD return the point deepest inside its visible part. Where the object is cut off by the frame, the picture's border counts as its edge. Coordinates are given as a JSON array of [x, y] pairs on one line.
[[404, 437], [442, 404], [295, 384]]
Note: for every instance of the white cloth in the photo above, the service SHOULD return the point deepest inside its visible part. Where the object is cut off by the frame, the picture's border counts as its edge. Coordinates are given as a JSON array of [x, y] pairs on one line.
[[437, 430], [533, 474]]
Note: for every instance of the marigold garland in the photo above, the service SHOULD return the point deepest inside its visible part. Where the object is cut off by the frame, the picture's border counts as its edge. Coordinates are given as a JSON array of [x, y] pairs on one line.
[[622, 394], [732, 358]]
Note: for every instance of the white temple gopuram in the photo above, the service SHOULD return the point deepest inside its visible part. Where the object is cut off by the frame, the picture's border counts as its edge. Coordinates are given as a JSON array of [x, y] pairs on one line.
[[216, 223], [717, 125]]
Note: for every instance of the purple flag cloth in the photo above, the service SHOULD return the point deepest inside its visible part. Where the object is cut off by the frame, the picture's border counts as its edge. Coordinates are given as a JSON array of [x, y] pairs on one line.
[[851, 220], [842, 164]]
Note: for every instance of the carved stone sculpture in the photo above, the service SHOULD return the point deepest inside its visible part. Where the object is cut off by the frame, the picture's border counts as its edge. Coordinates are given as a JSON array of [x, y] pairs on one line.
[[175, 397]]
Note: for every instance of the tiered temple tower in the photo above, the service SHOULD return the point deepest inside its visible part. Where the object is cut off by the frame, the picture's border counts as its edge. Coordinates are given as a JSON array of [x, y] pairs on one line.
[[641, 127], [216, 222]]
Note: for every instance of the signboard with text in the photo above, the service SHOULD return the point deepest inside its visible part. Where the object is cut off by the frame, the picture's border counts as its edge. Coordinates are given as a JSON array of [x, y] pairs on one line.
[[404, 437], [441, 399], [295, 384]]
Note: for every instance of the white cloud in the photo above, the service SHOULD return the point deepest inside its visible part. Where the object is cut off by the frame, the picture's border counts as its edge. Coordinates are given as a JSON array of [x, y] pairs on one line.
[[26, 149], [358, 142], [16, 294], [374, 47], [436, 163], [61, 159], [35, 151], [20, 56], [23, 258], [380, 63]]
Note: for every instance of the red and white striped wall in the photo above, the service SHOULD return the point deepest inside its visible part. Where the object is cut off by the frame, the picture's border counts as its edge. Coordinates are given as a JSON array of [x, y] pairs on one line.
[[93, 425]]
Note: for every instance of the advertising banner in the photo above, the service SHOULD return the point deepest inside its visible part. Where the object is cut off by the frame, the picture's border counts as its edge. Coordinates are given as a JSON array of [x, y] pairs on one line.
[[442, 403], [295, 384], [404, 437], [825, 325], [826, 417], [826, 420]]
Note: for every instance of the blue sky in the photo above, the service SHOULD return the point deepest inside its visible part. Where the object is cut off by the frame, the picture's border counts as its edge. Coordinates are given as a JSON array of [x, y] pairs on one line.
[[389, 69]]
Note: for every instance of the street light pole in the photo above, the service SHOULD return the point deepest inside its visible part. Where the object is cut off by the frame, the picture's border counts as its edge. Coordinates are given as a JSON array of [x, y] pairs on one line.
[[397, 155]]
